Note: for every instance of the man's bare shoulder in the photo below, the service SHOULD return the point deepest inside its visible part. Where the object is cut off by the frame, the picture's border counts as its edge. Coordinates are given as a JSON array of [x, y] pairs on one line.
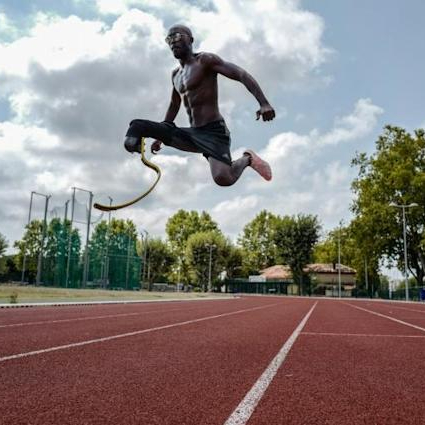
[[208, 59]]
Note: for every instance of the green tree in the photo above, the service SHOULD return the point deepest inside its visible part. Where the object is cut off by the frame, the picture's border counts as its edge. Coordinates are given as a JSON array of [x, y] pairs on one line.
[[183, 224], [206, 253], [295, 241], [8, 269], [179, 228], [99, 252], [56, 251], [258, 242], [3, 244], [234, 261], [29, 247], [353, 254], [73, 255], [3, 247], [124, 263], [159, 260], [394, 173]]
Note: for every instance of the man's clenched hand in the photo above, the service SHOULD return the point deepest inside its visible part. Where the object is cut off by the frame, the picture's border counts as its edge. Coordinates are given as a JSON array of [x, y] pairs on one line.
[[267, 112], [156, 146]]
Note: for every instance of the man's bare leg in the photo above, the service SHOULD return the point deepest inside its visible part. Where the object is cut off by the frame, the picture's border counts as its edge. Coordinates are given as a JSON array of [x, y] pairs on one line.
[[226, 175]]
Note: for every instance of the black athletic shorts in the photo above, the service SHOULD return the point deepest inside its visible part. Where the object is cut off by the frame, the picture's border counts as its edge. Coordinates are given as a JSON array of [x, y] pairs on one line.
[[212, 139]]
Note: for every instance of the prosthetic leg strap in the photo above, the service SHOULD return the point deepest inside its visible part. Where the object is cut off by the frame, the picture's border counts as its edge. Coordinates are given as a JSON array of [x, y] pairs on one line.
[[126, 204]]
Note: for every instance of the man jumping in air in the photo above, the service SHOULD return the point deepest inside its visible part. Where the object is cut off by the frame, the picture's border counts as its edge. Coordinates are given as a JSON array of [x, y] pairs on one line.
[[195, 82]]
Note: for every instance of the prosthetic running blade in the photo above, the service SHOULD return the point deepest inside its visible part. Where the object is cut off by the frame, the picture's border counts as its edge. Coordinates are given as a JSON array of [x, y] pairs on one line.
[[149, 164]]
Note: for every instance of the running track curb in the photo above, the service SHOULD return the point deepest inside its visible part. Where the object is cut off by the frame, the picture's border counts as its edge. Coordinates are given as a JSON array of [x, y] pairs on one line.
[[80, 303]]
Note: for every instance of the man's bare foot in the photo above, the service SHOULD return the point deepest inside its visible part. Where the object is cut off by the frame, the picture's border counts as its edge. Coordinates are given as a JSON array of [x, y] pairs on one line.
[[259, 165]]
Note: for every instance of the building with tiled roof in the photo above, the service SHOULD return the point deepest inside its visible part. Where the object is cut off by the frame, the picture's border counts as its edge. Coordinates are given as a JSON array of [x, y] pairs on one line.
[[325, 277]]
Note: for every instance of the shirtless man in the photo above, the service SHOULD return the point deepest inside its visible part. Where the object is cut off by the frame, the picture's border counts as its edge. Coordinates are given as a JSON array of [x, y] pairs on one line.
[[195, 82]]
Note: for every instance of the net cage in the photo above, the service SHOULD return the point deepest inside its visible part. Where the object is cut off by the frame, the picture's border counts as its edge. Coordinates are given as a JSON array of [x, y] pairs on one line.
[[108, 265], [80, 248]]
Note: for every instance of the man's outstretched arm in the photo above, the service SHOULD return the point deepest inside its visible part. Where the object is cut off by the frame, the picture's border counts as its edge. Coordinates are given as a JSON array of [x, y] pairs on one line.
[[234, 72]]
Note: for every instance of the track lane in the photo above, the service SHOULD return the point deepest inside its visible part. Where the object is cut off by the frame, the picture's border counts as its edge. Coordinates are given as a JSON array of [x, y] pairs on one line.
[[56, 332], [130, 334], [348, 379], [405, 312], [245, 409], [194, 374], [12, 316]]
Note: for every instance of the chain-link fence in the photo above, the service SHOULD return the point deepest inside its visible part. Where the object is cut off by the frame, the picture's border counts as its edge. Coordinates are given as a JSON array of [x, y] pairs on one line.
[[109, 272]]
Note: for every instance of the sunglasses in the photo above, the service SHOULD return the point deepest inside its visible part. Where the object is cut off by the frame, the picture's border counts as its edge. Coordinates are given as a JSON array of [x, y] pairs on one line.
[[177, 36]]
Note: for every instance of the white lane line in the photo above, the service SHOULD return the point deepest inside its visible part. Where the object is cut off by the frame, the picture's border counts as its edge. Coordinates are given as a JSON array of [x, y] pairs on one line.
[[408, 309], [246, 407], [89, 303], [388, 317], [362, 335], [125, 335], [77, 319]]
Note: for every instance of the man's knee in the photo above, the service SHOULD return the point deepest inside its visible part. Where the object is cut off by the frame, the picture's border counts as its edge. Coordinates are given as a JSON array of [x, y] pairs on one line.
[[223, 179], [137, 129], [132, 144]]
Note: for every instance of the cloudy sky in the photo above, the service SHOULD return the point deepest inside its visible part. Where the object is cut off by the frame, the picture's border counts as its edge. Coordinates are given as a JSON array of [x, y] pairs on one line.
[[73, 73]]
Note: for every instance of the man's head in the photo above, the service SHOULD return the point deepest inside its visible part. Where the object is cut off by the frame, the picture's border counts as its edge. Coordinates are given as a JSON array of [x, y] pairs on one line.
[[180, 40]]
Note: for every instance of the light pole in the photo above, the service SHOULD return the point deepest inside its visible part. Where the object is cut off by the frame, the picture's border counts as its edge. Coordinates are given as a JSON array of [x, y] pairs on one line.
[[65, 217], [127, 269], [24, 262], [403, 208], [339, 259], [178, 276], [68, 260], [25, 251], [366, 276], [43, 236], [105, 266], [144, 254], [86, 256], [86, 253], [210, 265]]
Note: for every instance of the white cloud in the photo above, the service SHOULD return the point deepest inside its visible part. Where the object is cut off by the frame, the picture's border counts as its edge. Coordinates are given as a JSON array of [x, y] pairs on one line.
[[53, 43], [305, 177], [7, 28], [112, 7], [278, 42], [86, 83], [230, 211], [353, 126], [20, 139], [335, 173]]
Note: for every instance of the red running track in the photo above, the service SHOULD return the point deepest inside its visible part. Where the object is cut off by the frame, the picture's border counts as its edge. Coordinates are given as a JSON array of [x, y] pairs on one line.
[[195, 362]]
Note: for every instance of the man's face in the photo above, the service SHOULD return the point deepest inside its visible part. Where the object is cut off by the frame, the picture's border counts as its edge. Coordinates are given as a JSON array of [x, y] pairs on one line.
[[179, 40]]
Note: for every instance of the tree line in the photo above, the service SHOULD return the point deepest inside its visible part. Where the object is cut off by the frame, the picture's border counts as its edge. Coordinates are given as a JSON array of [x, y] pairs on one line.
[[195, 250]]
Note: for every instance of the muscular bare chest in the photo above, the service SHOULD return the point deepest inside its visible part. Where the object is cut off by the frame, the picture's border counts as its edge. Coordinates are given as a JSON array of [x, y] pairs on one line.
[[189, 78]]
